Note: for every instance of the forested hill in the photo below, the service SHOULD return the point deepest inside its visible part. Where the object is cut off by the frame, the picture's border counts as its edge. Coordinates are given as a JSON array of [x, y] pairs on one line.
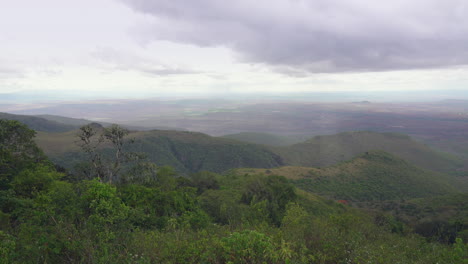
[[374, 176], [39, 123], [192, 152], [185, 151], [266, 139], [149, 214], [75, 122], [328, 150]]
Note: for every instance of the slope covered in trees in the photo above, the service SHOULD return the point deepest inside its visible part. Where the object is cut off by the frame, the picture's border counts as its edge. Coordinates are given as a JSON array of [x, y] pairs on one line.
[[185, 151], [192, 152], [266, 139], [441, 218], [327, 150], [373, 176], [50, 217], [39, 123]]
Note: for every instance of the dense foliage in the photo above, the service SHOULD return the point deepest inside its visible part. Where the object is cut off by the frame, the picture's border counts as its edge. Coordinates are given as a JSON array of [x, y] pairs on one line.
[[51, 217], [376, 176], [187, 152], [328, 150]]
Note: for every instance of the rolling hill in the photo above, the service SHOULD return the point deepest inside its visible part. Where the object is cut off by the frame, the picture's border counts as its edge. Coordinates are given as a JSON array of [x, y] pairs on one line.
[[39, 123], [328, 150], [185, 151], [192, 152], [374, 176], [265, 138], [76, 122]]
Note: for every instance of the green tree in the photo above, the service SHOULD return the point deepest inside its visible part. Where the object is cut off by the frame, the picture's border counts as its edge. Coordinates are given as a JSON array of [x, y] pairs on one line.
[[17, 150], [276, 190]]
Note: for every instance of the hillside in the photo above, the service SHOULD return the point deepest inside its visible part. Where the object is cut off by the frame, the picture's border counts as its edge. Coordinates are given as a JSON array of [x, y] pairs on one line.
[[76, 122], [265, 138], [374, 176], [328, 150], [39, 123], [443, 217], [185, 151], [192, 152], [47, 217]]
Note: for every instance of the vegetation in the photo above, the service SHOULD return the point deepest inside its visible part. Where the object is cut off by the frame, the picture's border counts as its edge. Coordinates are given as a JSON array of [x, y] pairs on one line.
[[39, 123], [187, 152], [190, 152], [373, 176], [323, 151], [440, 218], [426, 202], [152, 215], [266, 139]]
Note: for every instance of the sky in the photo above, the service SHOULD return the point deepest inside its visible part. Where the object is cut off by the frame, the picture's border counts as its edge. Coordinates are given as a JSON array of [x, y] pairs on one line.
[[64, 49]]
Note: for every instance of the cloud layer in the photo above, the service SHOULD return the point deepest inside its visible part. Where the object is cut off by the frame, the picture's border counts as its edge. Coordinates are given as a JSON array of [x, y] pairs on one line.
[[303, 36], [119, 60]]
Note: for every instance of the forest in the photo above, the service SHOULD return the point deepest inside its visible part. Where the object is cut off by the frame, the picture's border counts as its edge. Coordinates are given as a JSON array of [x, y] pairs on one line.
[[125, 209]]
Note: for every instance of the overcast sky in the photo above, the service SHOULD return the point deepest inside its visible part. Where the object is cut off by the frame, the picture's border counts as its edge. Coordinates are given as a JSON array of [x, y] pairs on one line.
[[139, 48]]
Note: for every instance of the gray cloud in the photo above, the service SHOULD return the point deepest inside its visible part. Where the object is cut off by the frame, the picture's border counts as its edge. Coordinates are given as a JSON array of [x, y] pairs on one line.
[[119, 60], [303, 36], [7, 72]]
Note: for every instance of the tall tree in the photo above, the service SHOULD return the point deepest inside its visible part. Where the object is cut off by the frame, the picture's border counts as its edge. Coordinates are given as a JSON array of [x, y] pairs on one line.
[[18, 150], [93, 138]]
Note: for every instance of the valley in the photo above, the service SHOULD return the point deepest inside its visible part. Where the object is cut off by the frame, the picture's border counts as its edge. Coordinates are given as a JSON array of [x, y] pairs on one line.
[[366, 173]]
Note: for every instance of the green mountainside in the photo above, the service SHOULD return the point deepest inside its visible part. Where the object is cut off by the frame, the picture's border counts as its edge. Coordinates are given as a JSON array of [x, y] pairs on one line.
[[265, 138], [76, 122], [317, 152], [192, 152], [374, 176], [154, 215], [443, 217], [54, 123], [328, 150], [39, 123], [185, 151]]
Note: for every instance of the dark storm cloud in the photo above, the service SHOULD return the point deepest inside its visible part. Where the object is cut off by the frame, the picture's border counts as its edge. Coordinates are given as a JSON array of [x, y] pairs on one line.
[[301, 36]]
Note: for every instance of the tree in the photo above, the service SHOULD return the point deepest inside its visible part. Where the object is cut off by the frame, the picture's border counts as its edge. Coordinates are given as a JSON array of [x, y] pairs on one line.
[[275, 190], [18, 150], [93, 138]]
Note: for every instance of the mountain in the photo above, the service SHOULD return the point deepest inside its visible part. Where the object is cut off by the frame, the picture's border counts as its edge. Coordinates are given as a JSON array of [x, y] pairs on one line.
[[185, 151], [76, 122], [265, 138], [328, 150], [374, 176], [192, 152], [39, 123]]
